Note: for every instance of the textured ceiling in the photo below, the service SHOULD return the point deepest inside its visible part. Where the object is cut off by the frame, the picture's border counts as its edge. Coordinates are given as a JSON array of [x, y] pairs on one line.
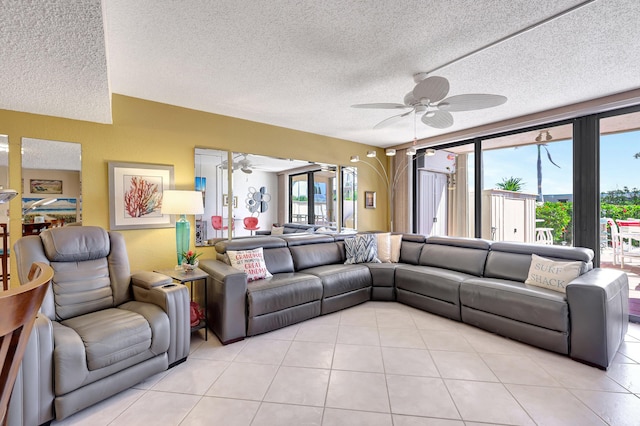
[[301, 64]]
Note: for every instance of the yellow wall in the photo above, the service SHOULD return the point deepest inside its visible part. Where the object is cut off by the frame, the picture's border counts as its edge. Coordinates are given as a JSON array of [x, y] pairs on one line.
[[150, 132]]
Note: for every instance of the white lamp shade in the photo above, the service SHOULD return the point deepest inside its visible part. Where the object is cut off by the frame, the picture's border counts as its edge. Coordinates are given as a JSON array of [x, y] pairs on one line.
[[182, 202]]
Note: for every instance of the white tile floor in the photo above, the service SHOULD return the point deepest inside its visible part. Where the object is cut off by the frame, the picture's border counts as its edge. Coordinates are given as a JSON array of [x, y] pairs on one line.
[[379, 364]]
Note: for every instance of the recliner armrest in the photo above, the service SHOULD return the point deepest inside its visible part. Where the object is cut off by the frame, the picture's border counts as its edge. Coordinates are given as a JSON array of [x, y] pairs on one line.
[[32, 398], [148, 280], [599, 315], [174, 300], [226, 300]]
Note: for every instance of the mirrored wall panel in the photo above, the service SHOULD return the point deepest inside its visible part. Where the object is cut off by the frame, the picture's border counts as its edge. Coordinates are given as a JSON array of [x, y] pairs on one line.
[[4, 176], [51, 184], [264, 191]]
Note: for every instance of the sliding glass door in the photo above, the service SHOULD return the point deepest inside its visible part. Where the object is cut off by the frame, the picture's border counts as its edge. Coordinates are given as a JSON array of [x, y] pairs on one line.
[[620, 200]]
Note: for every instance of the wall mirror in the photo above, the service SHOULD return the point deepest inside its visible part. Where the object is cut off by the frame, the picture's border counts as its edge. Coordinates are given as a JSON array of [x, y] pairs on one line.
[[266, 189], [4, 175], [51, 184]]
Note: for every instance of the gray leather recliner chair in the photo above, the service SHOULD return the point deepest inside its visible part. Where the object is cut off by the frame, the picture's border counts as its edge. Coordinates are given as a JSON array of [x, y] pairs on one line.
[[100, 329]]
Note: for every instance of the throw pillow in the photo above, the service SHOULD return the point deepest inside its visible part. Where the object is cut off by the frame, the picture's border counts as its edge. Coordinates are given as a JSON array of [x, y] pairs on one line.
[[361, 249], [384, 247], [396, 244], [250, 262], [551, 274], [277, 230]]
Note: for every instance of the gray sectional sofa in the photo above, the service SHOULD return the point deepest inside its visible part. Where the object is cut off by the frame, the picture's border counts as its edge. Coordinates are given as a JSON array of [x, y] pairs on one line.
[[475, 281]]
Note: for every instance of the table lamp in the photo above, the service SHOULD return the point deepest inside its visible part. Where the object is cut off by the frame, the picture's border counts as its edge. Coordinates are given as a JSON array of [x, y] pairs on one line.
[[182, 203]]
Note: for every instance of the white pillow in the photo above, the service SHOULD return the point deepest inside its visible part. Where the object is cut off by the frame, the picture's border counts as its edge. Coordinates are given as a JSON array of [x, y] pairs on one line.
[[361, 249], [551, 274], [277, 230], [396, 244], [384, 247], [250, 262]]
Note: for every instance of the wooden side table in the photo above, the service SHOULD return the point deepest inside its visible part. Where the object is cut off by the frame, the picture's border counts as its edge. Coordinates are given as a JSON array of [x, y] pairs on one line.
[[182, 277]]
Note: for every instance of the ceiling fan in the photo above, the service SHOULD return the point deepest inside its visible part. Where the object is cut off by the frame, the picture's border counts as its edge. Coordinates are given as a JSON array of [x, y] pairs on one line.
[[243, 165], [428, 97]]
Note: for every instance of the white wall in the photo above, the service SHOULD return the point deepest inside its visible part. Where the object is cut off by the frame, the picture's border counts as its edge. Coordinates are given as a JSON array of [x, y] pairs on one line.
[[241, 184]]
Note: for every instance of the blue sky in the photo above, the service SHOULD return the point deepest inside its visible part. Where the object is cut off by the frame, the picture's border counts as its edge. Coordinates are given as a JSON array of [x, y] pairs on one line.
[[618, 168]]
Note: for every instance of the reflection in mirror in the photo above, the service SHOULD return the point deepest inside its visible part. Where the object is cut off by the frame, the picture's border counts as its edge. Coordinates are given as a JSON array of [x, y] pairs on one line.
[[51, 184], [4, 176], [211, 180], [349, 197], [262, 189]]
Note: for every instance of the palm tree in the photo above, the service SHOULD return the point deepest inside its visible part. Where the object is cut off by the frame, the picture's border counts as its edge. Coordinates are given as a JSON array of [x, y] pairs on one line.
[[543, 145], [511, 184]]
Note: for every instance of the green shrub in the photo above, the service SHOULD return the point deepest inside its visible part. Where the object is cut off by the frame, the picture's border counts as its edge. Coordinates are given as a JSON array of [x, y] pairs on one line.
[[558, 216]]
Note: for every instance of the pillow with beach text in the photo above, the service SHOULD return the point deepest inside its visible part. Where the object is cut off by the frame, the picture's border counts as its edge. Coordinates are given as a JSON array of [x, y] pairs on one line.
[[251, 262], [551, 274]]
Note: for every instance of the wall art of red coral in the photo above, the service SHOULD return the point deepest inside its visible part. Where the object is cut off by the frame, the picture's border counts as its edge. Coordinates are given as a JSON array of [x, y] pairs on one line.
[[143, 196]]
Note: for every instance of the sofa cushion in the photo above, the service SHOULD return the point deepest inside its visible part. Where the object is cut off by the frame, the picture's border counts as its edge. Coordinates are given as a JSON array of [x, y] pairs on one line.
[[312, 255], [81, 287], [338, 279], [410, 249], [382, 274], [282, 291], [92, 242], [251, 262], [551, 274], [517, 301], [457, 254], [277, 230], [511, 261], [437, 283], [111, 335]]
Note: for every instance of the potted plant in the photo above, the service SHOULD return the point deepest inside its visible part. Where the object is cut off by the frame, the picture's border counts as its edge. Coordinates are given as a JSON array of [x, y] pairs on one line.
[[190, 260]]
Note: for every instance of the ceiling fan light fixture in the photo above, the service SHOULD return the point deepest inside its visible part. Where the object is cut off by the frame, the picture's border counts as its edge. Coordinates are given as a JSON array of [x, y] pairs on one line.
[[371, 154], [430, 114], [390, 152], [354, 158], [411, 151], [430, 152]]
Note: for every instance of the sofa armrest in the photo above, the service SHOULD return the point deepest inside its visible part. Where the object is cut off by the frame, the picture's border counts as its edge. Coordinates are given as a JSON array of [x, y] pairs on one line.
[[32, 398], [149, 280], [174, 300], [226, 301], [599, 315]]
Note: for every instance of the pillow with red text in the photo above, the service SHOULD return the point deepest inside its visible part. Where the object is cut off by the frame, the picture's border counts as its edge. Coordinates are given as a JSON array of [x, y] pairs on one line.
[[251, 262]]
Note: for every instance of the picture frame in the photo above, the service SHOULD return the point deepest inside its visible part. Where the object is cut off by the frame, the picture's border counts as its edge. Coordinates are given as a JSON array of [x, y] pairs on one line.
[[135, 195], [45, 186], [225, 201], [369, 199]]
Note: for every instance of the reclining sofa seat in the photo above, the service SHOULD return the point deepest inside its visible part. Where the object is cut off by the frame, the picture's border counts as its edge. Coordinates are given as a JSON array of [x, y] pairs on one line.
[[309, 279], [431, 273], [100, 329], [586, 323], [322, 256]]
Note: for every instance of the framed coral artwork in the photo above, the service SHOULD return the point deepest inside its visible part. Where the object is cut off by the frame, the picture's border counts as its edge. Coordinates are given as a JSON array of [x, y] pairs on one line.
[[135, 195]]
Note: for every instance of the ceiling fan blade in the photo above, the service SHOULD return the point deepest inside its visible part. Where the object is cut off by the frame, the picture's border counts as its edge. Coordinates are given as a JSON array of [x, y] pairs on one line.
[[438, 119], [391, 120], [381, 106], [471, 102], [431, 88]]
